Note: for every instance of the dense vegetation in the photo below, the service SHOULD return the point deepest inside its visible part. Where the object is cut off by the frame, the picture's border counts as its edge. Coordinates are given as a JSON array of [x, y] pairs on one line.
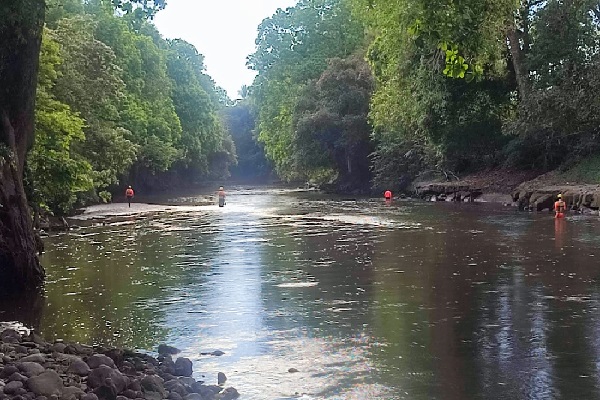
[[357, 93], [453, 87], [353, 93], [117, 103]]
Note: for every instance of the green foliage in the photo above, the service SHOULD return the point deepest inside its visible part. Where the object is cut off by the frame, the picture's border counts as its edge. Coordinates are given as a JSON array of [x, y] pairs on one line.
[[423, 120], [293, 47], [58, 173], [140, 8], [147, 108], [240, 121], [115, 97], [559, 119], [90, 81], [331, 131], [275, 126], [201, 132]]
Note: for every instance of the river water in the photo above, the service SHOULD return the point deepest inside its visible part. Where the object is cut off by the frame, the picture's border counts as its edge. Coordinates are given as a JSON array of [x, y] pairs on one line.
[[365, 299]]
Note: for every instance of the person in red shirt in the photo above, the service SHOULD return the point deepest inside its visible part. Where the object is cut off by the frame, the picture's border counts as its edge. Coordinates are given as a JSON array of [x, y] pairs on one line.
[[387, 195], [129, 194], [559, 207]]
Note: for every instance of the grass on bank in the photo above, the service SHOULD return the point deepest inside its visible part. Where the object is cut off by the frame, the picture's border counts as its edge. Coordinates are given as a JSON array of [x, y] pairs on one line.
[[586, 171]]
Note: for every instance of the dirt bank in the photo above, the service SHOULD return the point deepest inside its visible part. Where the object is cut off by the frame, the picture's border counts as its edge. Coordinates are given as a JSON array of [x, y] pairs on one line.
[[540, 193], [491, 186], [530, 190]]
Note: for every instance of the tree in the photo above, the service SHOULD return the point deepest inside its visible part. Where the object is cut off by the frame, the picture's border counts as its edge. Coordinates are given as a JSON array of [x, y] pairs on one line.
[[443, 87], [558, 121], [197, 111], [21, 24], [89, 81], [56, 172], [252, 164], [331, 123], [146, 110], [293, 47]]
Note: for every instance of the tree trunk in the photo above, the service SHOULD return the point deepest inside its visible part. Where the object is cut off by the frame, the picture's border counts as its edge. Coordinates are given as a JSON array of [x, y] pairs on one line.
[[21, 24], [518, 60]]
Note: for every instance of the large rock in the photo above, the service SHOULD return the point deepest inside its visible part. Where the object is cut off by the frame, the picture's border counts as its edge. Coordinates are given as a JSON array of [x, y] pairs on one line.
[[78, 367], [164, 349], [97, 360], [174, 396], [30, 368], [58, 347], [12, 387], [208, 391], [106, 392], [228, 394], [17, 377], [89, 396], [183, 367], [152, 396], [72, 393], [10, 336], [595, 202], [36, 358], [46, 384], [8, 371], [98, 377], [174, 386], [153, 384], [541, 201]]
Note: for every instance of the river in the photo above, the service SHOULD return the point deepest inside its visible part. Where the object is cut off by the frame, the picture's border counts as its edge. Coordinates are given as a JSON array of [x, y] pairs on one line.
[[365, 299]]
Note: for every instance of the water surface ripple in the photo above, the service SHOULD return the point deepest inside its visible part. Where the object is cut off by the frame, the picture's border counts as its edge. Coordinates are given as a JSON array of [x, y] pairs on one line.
[[366, 300]]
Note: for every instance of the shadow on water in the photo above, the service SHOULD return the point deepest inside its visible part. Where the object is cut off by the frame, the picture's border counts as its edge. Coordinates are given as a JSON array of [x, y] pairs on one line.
[[364, 299], [25, 308]]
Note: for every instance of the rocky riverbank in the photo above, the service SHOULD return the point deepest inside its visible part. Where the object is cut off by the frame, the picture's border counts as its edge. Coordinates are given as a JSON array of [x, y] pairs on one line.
[[493, 186], [33, 369], [581, 198], [528, 190]]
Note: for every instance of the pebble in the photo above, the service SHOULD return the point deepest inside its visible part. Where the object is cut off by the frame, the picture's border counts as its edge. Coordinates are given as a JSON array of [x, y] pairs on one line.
[[32, 369]]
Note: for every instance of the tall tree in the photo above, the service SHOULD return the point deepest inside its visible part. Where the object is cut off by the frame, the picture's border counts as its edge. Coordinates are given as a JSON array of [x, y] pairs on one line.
[[56, 172], [21, 24], [331, 129], [292, 48], [89, 80]]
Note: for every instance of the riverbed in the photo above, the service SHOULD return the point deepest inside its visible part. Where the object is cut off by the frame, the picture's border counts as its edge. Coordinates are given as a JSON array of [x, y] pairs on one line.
[[321, 297]]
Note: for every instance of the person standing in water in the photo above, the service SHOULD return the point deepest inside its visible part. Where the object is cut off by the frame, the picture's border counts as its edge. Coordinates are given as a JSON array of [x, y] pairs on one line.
[[559, 207], [129, 194], [221, 194]]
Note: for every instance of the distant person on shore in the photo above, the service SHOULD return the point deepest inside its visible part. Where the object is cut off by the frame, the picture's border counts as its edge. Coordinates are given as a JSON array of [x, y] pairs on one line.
[[221, 194], [387, 195], [129, 194], [559, 207]]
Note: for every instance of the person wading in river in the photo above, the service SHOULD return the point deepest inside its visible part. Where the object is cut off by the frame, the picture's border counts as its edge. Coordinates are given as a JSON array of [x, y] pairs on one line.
[[129, 194], [559, 207], [221, 194]]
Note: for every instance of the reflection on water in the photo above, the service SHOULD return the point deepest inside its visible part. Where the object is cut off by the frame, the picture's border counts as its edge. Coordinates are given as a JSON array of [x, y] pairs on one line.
[[365, 299]]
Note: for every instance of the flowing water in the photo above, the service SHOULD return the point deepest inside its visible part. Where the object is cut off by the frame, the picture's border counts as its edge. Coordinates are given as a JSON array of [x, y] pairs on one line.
[[366, 300]]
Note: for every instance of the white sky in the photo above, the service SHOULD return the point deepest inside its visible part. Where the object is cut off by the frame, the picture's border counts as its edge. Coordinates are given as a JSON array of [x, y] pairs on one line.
[[223, 31]]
